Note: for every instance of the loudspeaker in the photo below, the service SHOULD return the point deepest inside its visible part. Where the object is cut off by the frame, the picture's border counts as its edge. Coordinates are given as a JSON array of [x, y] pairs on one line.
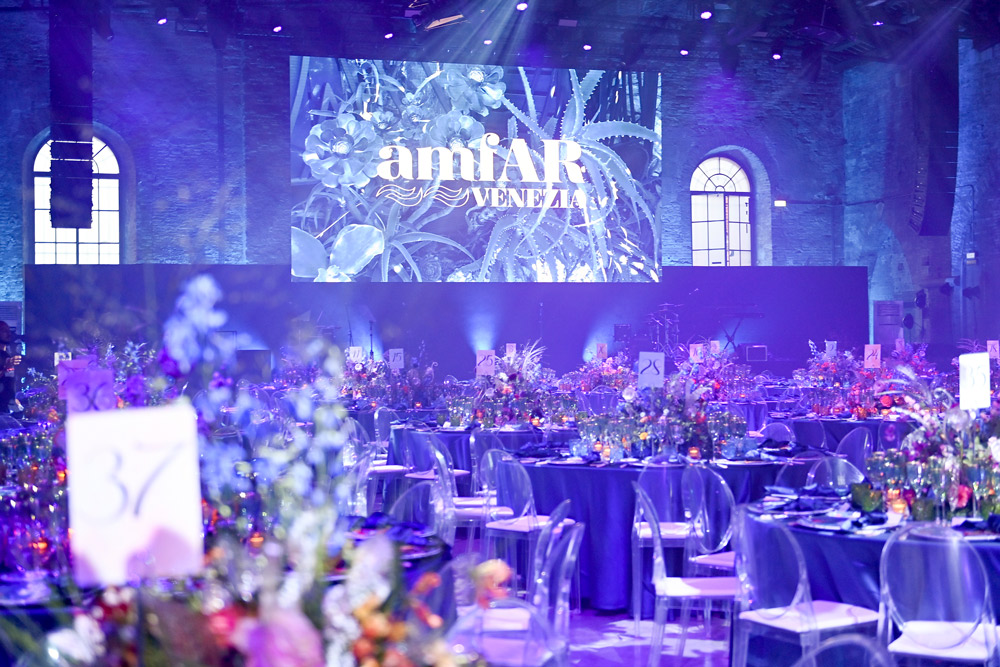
[[756, 352]]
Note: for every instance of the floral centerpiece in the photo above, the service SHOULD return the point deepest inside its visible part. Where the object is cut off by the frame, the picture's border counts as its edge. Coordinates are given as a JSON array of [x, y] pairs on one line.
[[275, 496]]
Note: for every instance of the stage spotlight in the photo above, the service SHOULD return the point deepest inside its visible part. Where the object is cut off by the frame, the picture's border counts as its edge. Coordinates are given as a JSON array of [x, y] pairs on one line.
[[684, 52], [705, 10], [777, 49], [389, 35], [587, 47], [487, 42], [521, 6], [160, 10], [276, 29]]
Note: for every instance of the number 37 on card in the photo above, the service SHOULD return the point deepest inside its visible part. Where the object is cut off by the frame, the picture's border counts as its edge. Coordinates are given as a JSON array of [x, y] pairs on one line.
[[134, 494]]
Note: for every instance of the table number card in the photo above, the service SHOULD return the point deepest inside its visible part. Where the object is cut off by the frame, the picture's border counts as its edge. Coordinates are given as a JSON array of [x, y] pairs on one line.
[[974, 381], [90, 389], [134, 494], [715, 347], [873, 356], [396, 359], [602, 351], [831, 346], [486, 362], [993, 348], [511, 350], [356, 354], [60, 357], [69, 367], [651, 369], [900, 346], [696, 353]]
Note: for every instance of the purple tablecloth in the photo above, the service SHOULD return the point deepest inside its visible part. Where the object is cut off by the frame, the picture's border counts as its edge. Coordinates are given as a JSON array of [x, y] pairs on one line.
[[603, 498]]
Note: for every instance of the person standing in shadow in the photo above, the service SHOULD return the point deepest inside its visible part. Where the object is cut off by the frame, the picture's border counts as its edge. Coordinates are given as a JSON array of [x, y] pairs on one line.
[[9, 358]]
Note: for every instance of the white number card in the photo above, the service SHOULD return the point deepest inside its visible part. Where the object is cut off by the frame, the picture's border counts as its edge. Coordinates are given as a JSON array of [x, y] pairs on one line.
[[831, 346], [134, 494], [901, 346], [396, 361], [356, 354], [715, 347], [90, 389], [993, 348], [486, 362], [873, 356], [974, 381], [65, 369], [511, 350], [696, 353], [602, 351], [651, 369]]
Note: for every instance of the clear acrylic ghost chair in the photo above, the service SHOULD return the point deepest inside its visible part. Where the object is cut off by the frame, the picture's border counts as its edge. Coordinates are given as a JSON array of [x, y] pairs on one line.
[[709, 503], [353, 494], [507, 633], [427, 503], [811, 433], [659, 480], [891, 434], [602, 400], [849, 649], [794, 473], [384, 419], [550, 591], [834, 472], [935, 598], [686, 589], [511, 518], [856, 447], [386, 479], [775, 599], [777, 432], [554, 580]]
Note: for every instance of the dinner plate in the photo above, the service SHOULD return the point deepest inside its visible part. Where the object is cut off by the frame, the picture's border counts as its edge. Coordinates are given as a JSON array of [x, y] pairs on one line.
[[571, 461], [741, 462]]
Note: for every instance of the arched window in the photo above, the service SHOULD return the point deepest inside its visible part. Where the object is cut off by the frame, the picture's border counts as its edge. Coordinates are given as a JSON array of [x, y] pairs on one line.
[[720, 214], [101, 244]]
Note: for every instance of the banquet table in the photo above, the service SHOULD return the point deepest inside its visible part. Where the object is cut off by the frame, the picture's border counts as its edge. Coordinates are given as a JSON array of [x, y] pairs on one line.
[[457, 440], [753, 413], [603, 498], [836, 429], [845, 568]]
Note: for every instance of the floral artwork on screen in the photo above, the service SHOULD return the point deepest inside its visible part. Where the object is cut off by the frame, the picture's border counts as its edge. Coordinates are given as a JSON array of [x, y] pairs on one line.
[[408, 171]]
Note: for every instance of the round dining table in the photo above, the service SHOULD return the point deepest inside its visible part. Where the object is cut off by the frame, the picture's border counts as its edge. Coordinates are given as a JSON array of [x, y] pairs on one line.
[[602, 496]]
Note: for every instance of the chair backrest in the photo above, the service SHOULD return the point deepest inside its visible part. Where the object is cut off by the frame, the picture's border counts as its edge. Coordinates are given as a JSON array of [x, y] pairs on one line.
[[930, 573], [554, 581], [777, 432], [353, 493], [548, 536], [428, 503], [709, 503], [513, 486], [770, 567], [481, 442], [848, 649], [487, 633], [794, 473], [646, 511], [832, 471], [811, 433], [856, 447], [384, 419], [602, 400], [892, 432], [659, 479]]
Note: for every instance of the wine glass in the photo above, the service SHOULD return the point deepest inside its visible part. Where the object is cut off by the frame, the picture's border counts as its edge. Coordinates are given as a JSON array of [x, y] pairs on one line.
[[976, 474], [939, 476]]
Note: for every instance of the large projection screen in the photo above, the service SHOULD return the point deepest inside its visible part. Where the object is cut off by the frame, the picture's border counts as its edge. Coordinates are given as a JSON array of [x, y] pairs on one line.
[[441, 172]]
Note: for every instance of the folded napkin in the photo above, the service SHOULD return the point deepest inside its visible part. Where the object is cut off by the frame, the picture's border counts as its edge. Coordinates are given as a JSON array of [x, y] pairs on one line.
[[536, 451], [805, 504], [871, 519], [814, 491], [990, 523]]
